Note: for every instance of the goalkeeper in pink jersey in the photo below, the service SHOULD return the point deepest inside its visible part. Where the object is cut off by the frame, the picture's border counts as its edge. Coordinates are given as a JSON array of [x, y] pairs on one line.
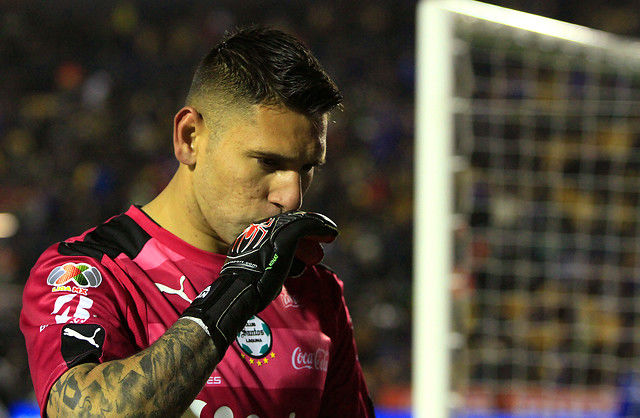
[[209, 300]]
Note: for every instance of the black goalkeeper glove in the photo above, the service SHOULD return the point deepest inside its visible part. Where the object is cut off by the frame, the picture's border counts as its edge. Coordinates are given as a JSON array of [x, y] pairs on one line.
[[257, 264]]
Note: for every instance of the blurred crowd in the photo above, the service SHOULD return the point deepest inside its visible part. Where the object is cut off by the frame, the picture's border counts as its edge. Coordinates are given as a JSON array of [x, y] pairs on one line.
[[87, 95], [546, 285]]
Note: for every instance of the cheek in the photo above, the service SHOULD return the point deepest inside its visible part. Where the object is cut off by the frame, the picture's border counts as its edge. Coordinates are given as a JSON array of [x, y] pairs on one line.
[[225, 178], [242, 194], [246, 184], [232, 188]]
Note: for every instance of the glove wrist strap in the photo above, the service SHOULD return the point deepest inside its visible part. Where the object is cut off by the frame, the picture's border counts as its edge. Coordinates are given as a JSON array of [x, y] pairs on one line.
[[224, 309], [199, 322]]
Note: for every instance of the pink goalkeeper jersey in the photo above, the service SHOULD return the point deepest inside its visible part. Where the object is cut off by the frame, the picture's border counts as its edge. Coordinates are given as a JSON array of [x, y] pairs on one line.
[[115, 289]]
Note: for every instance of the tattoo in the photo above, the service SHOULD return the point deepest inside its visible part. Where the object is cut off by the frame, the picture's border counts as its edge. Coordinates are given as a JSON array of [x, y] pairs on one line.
[[161, 380], [71, 394]]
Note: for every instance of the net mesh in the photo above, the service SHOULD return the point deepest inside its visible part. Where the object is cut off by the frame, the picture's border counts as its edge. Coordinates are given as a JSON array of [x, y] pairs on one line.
[[546, 283]]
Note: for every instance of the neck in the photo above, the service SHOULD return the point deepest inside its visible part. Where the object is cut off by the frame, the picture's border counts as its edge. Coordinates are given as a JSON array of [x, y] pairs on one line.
[[176, 210]]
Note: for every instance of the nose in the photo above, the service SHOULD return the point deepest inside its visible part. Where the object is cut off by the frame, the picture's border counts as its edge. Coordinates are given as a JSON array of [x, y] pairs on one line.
[[286, 190]]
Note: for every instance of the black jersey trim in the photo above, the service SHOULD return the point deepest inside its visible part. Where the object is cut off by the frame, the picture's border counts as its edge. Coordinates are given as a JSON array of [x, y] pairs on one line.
[[118, 235], [139, 207]]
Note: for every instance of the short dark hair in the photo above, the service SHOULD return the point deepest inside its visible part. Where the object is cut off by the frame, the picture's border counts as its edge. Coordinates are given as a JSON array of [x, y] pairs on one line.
[[262, 65]]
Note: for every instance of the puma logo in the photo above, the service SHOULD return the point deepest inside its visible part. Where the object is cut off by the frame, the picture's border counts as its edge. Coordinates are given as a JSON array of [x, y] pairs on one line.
[[172, 291], [91, 340]]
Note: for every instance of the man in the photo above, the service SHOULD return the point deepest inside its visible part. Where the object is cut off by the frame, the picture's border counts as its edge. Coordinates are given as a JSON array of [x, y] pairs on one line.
[[144, 315]]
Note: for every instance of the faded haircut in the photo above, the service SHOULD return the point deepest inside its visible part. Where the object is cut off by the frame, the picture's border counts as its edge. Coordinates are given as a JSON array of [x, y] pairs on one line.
[[262, 65]]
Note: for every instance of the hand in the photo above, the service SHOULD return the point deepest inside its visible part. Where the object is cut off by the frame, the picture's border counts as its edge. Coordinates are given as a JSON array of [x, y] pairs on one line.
[[257, 264]]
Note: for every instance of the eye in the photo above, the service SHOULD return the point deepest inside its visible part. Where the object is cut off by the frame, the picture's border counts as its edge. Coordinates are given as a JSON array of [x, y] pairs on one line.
[[268, 163]]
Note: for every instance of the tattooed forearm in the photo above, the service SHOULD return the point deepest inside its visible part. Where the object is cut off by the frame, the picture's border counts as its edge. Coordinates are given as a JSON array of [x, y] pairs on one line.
[[159, 381]]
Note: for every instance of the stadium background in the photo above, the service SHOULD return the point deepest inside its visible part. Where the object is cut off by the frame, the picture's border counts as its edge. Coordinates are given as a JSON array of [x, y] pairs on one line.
[[87, 93]]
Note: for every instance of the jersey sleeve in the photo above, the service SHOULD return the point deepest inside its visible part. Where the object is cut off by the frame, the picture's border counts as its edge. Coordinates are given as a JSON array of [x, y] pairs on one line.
[[345, 391], [70, 316]]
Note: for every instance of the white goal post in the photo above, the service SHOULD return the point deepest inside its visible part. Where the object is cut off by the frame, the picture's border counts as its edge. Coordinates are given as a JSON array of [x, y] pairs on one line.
[[596, 121]]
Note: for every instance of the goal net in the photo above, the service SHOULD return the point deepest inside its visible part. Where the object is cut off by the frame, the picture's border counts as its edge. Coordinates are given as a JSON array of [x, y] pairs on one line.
[[527, 232]]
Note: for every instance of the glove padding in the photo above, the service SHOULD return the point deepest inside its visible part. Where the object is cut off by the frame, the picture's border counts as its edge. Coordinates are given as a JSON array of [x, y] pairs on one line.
[[257, 264]]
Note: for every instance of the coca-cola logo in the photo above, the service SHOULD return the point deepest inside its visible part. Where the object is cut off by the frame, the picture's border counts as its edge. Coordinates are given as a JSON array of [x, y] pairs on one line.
[[318, 360]]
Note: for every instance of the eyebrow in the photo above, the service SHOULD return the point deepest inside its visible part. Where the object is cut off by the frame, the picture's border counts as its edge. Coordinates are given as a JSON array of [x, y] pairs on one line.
[[282, 158]]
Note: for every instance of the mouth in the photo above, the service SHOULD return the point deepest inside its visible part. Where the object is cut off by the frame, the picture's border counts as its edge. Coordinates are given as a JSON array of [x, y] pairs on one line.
[[263, 218]]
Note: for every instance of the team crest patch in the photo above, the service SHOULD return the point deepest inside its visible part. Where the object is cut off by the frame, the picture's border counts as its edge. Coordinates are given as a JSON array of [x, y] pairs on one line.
[[255, 340], [79, 274]]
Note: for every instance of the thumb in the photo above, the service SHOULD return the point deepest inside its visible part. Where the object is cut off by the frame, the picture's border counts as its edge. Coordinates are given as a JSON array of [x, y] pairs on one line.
[[313, 226], [309, 251]]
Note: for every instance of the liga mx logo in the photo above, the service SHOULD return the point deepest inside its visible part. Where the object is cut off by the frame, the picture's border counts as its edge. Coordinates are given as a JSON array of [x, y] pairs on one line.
[[83, 275], [256, 341]]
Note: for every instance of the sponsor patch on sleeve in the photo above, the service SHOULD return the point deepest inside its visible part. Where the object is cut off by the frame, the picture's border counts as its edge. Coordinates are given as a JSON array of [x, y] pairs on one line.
[[74, 277], [82, 343]]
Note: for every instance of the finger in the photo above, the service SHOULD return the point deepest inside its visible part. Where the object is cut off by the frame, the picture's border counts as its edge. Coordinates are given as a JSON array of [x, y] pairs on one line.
[[309, 252], [320, 238], [310, 225]]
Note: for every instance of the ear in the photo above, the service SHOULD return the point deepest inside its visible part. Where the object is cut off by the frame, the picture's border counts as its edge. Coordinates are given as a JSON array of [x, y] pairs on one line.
[[186, 124]]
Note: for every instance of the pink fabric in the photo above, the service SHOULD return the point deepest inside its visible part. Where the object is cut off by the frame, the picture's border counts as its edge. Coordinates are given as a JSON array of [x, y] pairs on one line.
[[299, 354]]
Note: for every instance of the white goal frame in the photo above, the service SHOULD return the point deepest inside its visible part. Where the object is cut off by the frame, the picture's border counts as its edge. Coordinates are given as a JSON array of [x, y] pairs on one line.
[[434, 168]]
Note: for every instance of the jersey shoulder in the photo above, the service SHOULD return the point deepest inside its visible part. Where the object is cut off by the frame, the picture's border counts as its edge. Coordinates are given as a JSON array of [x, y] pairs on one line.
[[81, 258], [118, 235]]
